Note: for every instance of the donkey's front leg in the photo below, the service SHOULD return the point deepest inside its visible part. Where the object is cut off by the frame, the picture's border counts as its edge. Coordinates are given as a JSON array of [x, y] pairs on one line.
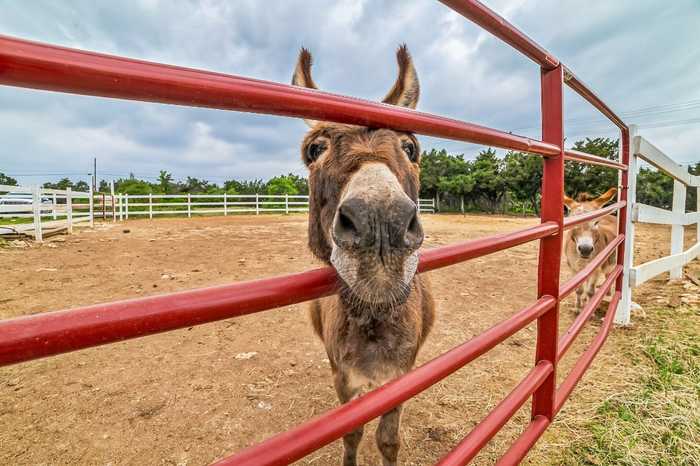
[[352, 440], [387, 436], [579, 299], [590, 286]]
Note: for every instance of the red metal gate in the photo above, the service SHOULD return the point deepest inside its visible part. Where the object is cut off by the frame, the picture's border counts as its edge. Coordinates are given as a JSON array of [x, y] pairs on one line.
[[40, 66]]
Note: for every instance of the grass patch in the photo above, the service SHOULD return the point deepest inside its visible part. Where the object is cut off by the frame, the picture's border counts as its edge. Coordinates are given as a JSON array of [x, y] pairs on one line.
[[656, 420]]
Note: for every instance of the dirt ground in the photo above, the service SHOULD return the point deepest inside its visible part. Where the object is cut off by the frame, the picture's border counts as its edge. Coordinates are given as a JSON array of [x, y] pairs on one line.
[[192, 396]]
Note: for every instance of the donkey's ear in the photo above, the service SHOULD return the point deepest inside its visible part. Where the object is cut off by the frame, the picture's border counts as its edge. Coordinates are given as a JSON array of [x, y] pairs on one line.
[[569, 203], [604, 198], [302, 76], [406, 88]]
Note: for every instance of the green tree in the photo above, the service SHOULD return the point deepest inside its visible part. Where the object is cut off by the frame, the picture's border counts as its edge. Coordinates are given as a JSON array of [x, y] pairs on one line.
[[165, 180], [245, 187], [523, 177], [283, 184], [63, 183], [133, 186], [7, 180], [489, 183], [583, 177]]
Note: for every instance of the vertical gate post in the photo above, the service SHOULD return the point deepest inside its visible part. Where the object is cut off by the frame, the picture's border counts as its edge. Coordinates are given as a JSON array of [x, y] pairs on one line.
[[150, 206], [257, 204], [91, 195], [120, 197], [286, 203], [126, 205], [69, 210], [625, 226], [225, 211], [543, 401], [53, 205], [677, 229], [189, 205], [36, 210]]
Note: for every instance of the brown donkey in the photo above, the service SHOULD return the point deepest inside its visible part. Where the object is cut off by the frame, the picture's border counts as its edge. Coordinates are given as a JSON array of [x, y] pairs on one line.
[[583, 242], [363, 220]]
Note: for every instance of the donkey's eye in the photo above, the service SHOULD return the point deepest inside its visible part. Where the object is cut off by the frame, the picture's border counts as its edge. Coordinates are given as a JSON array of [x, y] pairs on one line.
[[314, 151], [410, 149]]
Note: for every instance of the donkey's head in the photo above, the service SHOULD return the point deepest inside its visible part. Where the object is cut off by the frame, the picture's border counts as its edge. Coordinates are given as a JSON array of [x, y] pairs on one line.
[[363, 196], [586, 235]]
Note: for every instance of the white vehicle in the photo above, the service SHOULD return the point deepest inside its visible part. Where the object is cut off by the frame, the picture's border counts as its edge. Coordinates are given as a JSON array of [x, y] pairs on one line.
[[23, 203]]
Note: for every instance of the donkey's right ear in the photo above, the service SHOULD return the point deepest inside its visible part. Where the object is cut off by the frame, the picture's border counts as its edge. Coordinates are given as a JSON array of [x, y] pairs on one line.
[[302, 76]]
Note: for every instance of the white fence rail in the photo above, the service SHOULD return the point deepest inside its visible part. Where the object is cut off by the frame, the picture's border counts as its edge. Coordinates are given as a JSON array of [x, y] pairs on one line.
[[677, 217], [50, 209], [127, 205]]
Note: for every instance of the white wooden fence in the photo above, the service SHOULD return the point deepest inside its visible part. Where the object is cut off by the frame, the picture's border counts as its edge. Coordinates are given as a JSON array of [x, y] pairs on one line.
[[127, 205], [49, 209], [635, 275]]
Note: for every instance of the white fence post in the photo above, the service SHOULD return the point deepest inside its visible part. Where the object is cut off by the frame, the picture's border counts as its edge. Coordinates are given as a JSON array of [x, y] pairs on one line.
[[92, 207], [53, 205], [189, 205], [36, 208], [114, 210], [150, 206], [225, 212], [286, 203], [624, 307], [120, 200], [126, 205], [677, 229], [257, 204], [69, 211]]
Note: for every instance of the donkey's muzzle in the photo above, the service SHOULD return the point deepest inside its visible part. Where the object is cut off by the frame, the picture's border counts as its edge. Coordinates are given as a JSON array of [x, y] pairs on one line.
[[390, 226]]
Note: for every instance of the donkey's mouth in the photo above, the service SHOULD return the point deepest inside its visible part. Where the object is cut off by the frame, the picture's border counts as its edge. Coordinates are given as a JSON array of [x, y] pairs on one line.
[[369, 279]]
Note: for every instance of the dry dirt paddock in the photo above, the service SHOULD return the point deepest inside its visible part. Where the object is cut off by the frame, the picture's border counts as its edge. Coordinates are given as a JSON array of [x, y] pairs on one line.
[[191, 396]]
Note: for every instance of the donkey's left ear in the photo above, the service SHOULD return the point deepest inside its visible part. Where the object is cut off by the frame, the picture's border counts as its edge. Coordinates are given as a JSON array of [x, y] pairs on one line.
[[302, 76], [569, 203], [604, 198], [406, 88]]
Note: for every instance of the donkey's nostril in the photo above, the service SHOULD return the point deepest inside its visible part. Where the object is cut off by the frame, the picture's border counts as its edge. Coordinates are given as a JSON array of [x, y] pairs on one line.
[[346, 223], [351, 223], [414, 232]]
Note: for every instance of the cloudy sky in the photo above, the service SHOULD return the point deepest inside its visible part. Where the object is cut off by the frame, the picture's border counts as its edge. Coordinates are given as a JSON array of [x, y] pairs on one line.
[[641, 56]]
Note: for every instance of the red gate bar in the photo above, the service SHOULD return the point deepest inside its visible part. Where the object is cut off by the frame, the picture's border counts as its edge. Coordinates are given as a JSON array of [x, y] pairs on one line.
[[51, 333], [470, 446], [586, 358], [454, 253], [520, 448], [524, 443], [572, 332], [578, 156], [42, 66], [596, 262], [570, 222], [294, 444]]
